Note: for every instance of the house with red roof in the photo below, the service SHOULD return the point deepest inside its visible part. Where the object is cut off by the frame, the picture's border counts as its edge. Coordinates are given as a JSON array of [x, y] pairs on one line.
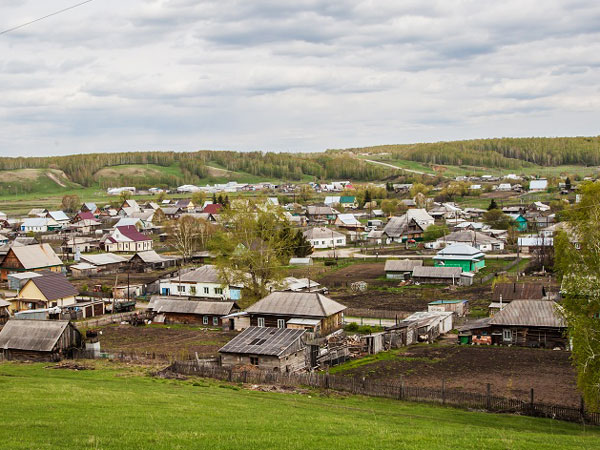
[[126, 239], [213, 208]]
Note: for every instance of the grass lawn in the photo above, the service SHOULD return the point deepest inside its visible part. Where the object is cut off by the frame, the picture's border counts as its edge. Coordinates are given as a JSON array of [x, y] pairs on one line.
[[113, 407]]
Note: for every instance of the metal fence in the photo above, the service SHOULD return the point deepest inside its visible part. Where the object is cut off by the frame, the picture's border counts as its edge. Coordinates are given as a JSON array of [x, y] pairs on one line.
[[396, 390]]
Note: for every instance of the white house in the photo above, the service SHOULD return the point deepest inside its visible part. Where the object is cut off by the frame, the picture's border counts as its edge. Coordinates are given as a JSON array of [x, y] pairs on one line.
[[202, 282], [126, 239], [538, 185], [321, 237], [504, 187], [39, 225]]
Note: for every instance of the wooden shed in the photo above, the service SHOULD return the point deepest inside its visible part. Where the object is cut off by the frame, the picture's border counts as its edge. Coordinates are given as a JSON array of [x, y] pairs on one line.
[[177, 310], [275, 349], [39, 340]]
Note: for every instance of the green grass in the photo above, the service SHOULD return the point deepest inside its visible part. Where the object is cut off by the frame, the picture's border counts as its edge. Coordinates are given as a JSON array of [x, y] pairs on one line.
[[382, 356], [116, 408]]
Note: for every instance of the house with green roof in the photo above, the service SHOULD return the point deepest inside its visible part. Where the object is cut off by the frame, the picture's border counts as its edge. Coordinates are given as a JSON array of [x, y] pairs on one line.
[[520, 221], [464, 256], [348, 201]]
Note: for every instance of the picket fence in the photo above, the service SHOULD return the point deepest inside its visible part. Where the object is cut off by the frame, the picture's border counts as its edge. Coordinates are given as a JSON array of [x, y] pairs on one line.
[[395, 390]]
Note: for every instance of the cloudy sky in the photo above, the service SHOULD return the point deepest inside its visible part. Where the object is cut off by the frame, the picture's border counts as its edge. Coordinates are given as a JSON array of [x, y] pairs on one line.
[[121, 75]]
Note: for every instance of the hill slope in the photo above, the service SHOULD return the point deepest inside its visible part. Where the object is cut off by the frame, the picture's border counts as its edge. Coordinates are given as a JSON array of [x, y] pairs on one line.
[[119, 408], [22, 181]]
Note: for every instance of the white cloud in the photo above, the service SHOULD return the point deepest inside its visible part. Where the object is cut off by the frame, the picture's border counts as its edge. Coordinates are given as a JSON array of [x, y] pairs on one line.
[[299, 76]]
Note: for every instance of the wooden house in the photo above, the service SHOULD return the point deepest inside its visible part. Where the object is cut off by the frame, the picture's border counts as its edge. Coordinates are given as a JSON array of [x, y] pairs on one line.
[[39, 340], [437, 275], [311, 311], [150, 260], [176, 310], [126, 239], [526, 323], [468, 258], [29, 258], [273, 349], [400, 269], [48, 290]]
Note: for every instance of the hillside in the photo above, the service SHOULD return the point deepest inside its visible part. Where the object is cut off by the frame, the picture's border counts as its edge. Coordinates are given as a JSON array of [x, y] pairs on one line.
[[122, 407], [24, 181], [506, 153]]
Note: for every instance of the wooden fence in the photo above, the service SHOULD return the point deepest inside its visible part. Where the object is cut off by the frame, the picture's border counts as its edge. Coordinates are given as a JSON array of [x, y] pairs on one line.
[[106, 320], [376, 313], [398, 390]]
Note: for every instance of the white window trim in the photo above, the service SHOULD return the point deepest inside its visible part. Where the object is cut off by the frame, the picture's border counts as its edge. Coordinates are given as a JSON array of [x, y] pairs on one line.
[[260, 321]]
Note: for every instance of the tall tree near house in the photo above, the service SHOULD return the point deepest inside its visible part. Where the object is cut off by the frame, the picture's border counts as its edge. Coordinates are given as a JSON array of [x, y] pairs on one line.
[[214, 198], [493, 205], [568, 184], [70, 203], [389, 206], [253, 247], [578, 269], [124, 195], [198, 198], [302, 246], [189, 234], [367, 199]]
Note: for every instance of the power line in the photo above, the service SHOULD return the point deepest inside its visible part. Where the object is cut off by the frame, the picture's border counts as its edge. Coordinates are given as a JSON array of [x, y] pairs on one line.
[[45, 17]]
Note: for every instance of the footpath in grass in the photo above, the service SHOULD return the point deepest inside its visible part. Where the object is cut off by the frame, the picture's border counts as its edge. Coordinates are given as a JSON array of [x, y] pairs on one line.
[[122, 407]]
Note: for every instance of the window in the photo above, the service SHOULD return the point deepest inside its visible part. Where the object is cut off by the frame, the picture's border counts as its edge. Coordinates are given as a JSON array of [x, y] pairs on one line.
[[181, 288], [507, 334], [254, 360], [206, 290], [219, 291], [339, 241], [215, 321], [280, 323], [205, 320], [193, 290], [260, 321]]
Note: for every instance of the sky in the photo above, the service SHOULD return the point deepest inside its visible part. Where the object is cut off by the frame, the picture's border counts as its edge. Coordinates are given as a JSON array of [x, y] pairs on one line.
[[307, 75]]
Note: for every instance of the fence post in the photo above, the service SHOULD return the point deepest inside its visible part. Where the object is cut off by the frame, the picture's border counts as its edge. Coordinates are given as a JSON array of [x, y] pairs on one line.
[[488, 399], [582, 409], [531, 400], [402, 388], [327, 380]]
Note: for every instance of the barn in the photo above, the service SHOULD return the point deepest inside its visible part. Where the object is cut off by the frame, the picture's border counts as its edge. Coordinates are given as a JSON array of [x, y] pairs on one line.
[[39, 340], [177, 310]]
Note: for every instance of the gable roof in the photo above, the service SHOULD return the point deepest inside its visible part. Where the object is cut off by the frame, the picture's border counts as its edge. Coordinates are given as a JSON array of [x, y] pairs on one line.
[[538, 184], [437, 272], [33, 335], [396, 225], [348, 220], [301, 304], [36, 256], [322, 233], [179, 306], [150, 256], [459, 251], [402, 265], [266, 341], [131, 232], [518, 291], [58, 215], [86, 215], [90, 206], [53, 285], [102, 259], [347, 199], [213, 208], [536, 313]]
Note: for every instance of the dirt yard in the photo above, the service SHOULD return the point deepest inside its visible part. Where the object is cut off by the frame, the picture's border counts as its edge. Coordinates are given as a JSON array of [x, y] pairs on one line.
[[163, 342], [512, 372]]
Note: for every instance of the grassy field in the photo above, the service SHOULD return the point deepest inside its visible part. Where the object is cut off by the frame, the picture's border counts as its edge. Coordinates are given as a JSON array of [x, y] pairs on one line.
[[113, 407], [454, 171]]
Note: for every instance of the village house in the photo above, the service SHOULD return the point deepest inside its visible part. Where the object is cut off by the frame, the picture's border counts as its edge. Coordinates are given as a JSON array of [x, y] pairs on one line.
[[400, 269], [468, 258], [39, 225], [311, 311], [150, 260], [91, 208], [39, 340], [126, 239], [105, 262], [321, 237], [60, 217], [526, 323], [47, 290], [320, 213], [538, 185], [186, 205], [409, 226], [348, 201], [348, 221], [203, 282], [504, 293], [29, 258], [175, 310], [535, 244], [458, 307], [273, 349], [475, 239]]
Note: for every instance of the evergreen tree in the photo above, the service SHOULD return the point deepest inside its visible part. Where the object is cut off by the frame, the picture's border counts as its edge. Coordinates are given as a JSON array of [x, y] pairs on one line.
[[568, 184], [493, 205]]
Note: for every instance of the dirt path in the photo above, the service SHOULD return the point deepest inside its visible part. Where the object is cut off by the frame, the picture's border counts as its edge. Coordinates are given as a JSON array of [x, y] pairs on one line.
[[399, 168]]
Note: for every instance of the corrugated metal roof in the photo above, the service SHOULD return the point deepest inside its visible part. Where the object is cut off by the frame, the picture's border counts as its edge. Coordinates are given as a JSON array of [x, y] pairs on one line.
[[437, 272], [203, 274], [266, 341], [402, 265], [54, 286], [35, 256], [167, 305], [518, 291], [102, 259], [460, 250], [33, 335], [322, 233], [301, 304], [537, 313], [150, 256]]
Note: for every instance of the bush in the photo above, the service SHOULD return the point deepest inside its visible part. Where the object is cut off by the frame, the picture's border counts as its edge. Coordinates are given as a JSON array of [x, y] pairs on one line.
[[353, 327]]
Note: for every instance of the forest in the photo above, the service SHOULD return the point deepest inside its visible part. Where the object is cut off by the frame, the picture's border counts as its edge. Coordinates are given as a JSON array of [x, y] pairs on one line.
[[194, 166], [509, 153]]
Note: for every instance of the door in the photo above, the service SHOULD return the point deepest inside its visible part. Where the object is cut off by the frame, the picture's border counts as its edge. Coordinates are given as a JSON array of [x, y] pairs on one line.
[[166, 291]]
